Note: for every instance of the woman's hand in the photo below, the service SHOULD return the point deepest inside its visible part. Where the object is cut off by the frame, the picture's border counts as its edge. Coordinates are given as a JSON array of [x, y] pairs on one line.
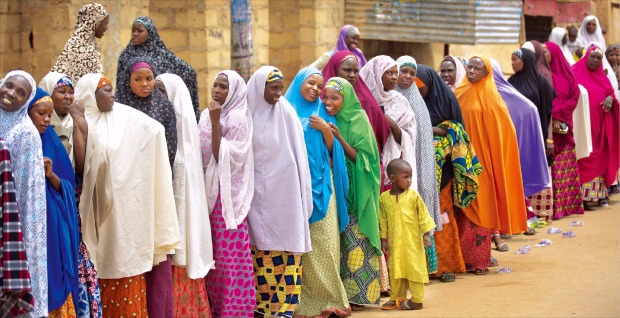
[[335, 131], [607, 103], [557, 125], [319, 123], [385, 246], [76, 109], [48, 165], [215, 110]]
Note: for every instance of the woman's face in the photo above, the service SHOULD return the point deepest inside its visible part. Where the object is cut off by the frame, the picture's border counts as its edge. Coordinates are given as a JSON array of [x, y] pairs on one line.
[[595, 60], [614, 58], [565, 39], [333, 101], [63, 98], [219, 91], [591, 26], [517, 63], [273, 91], [14, 93], [423, 91], [139, 34], [476, 70], [102, 27], [390, 78], [447, 71], [105, 98], [161, 87], [41, 114], [352, 41], [311, 88], [349, 69], [406, 76], [142, 82]]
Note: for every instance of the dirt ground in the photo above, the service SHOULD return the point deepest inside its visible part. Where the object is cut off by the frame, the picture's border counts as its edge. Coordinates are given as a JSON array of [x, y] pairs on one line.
[[574, 277]]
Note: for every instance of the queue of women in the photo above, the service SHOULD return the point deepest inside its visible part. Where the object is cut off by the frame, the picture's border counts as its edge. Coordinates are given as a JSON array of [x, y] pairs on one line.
[[117, 203]]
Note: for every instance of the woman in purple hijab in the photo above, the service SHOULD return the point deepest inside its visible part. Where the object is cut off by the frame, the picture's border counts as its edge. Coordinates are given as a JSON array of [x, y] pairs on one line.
[[525, 118], [348, 40]]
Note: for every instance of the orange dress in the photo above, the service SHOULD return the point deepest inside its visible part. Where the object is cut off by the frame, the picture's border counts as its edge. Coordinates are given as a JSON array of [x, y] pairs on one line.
[[500, 203]]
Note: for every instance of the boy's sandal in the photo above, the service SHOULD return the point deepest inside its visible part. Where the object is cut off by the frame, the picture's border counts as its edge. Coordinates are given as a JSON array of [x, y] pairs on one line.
[[447, 277], [503, 247], [389, 305], [407, 304]]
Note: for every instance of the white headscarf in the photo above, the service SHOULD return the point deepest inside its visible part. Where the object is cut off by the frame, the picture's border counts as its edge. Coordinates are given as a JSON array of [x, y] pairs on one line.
[[127, 207], [282, 203], [196, 252], [232, 175], [397, 107], [556, 36], [24, 143], [586, 37]]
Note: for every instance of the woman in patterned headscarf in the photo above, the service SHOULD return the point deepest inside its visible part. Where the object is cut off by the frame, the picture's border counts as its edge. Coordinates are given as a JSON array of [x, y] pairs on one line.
[[81, 53], [348, 40], [18, 88], [146, 42], [278, 224], [228, 162], [69, 123]]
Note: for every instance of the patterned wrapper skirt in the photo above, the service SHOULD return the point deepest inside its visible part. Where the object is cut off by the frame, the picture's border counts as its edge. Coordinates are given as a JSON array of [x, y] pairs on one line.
[[594, 190], [449, 256], [542, 203], [88, 292], [67, 310], [359, 265], [431, 257], [278, 282], [190, 295], [566, 185], [124, 297], [475, 244], [230, 285], [384, 276], [323, 293]]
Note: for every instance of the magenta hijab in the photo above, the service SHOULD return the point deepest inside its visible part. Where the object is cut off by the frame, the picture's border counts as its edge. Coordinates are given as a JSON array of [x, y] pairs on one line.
[[341, 45], [567, 96], [605, 157]]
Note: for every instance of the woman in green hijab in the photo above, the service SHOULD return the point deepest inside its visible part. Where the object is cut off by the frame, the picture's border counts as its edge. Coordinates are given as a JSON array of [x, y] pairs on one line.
[[360, 244]]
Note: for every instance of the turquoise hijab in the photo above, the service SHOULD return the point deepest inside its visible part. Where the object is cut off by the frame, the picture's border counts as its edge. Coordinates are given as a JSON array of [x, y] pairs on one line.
[[318, 154]]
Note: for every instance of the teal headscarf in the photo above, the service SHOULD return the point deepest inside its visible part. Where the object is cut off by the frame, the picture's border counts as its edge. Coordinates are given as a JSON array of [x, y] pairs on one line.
[[365, 172], [318, 154]]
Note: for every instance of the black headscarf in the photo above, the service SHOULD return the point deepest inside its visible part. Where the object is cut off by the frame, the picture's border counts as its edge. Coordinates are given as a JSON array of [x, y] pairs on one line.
[[535, 87], [441, 103], [163, 60], [156, 105]]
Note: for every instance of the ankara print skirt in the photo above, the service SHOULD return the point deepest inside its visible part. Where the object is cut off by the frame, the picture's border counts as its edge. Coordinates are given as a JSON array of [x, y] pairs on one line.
[[278, 282], [475, 244]]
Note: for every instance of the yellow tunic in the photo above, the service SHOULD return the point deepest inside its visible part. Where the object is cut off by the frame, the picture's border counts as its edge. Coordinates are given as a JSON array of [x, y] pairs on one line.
[[404, 223]]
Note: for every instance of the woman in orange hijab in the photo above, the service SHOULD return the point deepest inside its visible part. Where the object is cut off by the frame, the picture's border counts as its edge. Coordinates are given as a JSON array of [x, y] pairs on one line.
[[500, 203]]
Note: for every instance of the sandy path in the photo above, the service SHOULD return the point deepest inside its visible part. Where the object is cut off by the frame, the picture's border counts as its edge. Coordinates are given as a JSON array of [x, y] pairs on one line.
[[574, 277]]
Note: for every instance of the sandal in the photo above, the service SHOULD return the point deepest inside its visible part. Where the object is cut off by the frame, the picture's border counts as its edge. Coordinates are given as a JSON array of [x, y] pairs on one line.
[[530, 231], [502, 247], [506, 236], [385, 293], [493, 262], [447, 277], [481, 271], [389, 305], [356, 307], [407, 304], [587, 206], [603, 203]]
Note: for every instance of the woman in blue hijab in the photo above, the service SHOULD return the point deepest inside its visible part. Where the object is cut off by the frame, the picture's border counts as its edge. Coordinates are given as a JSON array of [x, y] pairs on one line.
[[62, 227], [323, 293]]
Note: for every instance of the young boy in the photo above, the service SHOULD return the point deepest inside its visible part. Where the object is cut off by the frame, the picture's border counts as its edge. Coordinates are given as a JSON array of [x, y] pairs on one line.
[[404, 219]]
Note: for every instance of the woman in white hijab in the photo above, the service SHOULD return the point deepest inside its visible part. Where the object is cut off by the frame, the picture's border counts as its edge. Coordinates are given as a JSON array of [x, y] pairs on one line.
[[559, 36], [194, 259], [127, 208], [17, 89], [282, 203], [590, 30]]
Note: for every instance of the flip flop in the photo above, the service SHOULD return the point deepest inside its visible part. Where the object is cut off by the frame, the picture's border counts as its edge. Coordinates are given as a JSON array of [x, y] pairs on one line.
[[530, 231], [356, 307], [481, 271], [493, 262], [389, 305], [503, 247], [406, 304], [447, 277]]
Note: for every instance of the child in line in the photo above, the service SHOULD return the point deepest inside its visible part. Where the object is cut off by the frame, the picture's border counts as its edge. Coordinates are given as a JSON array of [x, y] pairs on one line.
[[403, 219]]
